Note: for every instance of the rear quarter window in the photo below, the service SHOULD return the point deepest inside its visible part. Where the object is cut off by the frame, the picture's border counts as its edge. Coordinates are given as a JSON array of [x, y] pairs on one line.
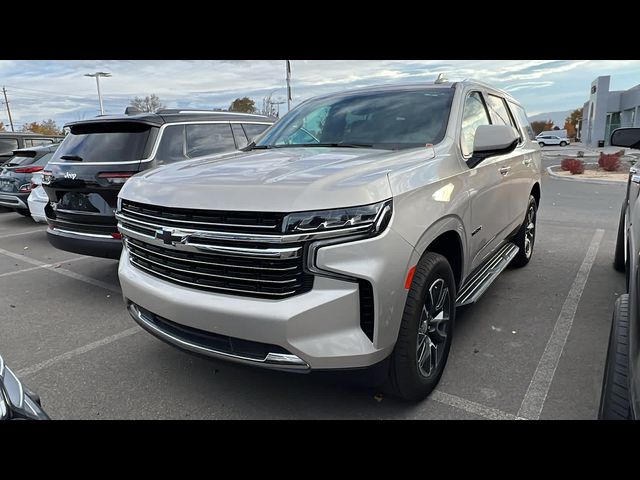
[[254, 130], [8, 145]]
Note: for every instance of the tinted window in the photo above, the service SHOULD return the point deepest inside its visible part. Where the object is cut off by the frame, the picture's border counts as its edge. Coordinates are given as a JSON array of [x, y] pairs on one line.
[[44, 159], [8, 145], [253, 130], [498, 109], [523, 121], [387, 119], [171, 148], [474, 115], [20, 160], [209, 138], [106, 142], [238, 133]]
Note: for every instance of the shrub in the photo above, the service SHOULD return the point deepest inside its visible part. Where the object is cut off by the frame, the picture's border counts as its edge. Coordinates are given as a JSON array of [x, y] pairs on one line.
[[572, 165], [610, 162]]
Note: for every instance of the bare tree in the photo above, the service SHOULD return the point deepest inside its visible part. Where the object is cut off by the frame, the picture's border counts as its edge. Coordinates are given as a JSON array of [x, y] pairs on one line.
[[150, 103]]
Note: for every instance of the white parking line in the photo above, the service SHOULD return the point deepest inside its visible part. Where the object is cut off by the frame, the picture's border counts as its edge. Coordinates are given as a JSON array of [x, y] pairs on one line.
[[61, 271], [470, 407], [47, 265], [536, 395], [28, 232], [78, 351]]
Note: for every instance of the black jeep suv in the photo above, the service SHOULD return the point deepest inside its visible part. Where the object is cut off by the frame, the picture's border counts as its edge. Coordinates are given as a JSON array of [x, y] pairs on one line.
[[99, 155]]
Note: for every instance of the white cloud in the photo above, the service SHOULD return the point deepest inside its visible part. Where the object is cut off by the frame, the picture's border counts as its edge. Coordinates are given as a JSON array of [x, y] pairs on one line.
[[58, 89]]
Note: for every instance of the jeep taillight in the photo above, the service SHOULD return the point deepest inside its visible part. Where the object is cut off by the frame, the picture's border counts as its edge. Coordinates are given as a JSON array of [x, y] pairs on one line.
[[116, 178]]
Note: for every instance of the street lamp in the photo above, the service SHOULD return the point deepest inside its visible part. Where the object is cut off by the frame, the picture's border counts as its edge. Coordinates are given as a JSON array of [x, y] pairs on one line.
[[98, 75]]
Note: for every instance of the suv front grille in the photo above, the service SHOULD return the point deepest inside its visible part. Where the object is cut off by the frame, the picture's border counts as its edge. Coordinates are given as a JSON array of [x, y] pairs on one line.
[[183, 247], [208, 220], [224, 273]]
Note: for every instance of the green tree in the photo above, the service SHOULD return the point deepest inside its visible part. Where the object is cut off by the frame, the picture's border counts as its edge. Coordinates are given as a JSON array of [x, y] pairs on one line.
[[46, 127], [244, 105], [150, 103], [539, 126], [574, 117]]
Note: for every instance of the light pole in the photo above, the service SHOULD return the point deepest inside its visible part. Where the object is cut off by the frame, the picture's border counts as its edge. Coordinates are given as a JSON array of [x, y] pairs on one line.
[[98, 75]]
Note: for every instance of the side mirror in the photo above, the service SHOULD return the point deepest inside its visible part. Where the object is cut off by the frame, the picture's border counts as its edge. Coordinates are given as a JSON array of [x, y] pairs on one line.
[[492, 140], [626, 137]]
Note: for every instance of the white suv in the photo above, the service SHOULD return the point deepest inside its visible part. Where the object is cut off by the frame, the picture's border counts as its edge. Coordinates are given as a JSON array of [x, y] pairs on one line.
[[544, 140], [343, 238]]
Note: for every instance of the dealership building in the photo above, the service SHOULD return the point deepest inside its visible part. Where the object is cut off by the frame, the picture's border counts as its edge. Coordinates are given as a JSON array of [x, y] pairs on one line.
[[607, 110]]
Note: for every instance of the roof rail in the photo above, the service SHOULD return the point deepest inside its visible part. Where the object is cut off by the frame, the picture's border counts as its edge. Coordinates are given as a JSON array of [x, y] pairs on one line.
[[208, 112]]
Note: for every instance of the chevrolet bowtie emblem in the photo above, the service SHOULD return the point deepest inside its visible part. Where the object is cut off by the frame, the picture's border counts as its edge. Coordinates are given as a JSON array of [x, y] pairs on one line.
[[171, 236]]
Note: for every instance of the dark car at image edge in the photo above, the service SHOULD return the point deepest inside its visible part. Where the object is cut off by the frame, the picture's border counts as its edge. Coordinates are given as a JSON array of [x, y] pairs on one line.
[[99, 155]]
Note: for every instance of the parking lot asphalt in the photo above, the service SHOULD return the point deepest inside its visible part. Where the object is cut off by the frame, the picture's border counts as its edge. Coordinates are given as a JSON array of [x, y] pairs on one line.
[[533, 346]]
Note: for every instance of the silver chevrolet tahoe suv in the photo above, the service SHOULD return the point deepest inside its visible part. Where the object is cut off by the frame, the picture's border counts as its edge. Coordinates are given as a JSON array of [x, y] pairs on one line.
[[343, 238]]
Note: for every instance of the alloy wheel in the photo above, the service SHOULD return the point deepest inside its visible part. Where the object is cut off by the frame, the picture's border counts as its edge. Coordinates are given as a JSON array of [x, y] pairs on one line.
[[433, 328]]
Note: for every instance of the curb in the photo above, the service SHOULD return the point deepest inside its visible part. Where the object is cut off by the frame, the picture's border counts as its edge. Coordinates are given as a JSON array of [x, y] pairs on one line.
[[574, 179]]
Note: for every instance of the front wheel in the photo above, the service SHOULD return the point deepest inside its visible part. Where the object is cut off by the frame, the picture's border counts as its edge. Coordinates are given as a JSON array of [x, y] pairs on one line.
[[24, 213], [563, 144], [426, 330], [541, 144], [526, 236]]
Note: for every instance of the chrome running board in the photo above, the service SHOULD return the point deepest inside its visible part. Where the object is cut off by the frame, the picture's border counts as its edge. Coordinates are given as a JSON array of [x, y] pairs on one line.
[[478, 283]]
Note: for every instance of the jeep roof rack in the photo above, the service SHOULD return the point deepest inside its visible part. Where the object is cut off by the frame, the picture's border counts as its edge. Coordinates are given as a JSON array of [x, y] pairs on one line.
[[165, 111]]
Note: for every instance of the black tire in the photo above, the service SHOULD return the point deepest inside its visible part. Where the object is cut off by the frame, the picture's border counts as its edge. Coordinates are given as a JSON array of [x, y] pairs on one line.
[[563, 144], [520, 240], [614, 401], [541, 144], [406, 380], [619, 262], [24, 213]]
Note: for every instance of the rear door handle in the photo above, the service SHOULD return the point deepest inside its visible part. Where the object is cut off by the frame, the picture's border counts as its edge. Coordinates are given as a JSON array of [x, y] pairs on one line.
[[504, 170]]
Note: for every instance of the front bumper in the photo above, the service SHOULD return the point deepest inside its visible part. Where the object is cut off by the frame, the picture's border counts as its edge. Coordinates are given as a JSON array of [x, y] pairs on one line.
[[319, 329], [16, 201], [95, 245]]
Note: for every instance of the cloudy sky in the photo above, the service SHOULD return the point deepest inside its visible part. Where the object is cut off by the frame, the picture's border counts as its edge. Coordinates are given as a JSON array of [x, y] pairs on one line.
[[57, 89]]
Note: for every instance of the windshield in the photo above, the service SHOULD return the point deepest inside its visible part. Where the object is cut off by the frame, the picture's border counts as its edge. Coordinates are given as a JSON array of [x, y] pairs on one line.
[[384, 119], [105, 142]]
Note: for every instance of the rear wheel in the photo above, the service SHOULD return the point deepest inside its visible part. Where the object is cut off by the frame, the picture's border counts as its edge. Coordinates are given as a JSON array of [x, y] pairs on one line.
[[614, 401], [526, 236], [563, 144], [426, 331], [619, 258], [541, 144]]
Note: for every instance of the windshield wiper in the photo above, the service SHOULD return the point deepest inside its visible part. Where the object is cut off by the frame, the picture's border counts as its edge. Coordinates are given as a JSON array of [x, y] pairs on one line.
[[345, 145], [253, 146], [75, 158]]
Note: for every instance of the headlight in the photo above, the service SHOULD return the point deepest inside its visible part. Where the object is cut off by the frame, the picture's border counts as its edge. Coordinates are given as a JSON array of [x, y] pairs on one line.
[[372, 218]]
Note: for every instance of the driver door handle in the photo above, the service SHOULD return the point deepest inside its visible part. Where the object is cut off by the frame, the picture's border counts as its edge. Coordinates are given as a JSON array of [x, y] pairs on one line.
[[504, 170]]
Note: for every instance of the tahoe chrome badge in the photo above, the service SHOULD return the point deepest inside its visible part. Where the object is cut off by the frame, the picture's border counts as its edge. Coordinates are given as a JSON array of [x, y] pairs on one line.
[[171, 236]]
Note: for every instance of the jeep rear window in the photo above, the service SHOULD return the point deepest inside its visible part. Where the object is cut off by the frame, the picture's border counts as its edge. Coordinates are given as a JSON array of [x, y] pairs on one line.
[[106, 142], [391, 120]]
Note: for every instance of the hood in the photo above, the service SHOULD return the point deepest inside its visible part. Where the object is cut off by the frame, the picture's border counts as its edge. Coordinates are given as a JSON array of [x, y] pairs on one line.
[[278, 180]]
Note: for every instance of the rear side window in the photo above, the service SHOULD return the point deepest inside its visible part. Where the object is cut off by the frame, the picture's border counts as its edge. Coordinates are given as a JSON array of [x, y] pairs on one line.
[[34, 142], [206, 139], [499, 112], [106, 142], [8, 145], [172, 145], [253, 130], [523, 121], [474, 115]]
